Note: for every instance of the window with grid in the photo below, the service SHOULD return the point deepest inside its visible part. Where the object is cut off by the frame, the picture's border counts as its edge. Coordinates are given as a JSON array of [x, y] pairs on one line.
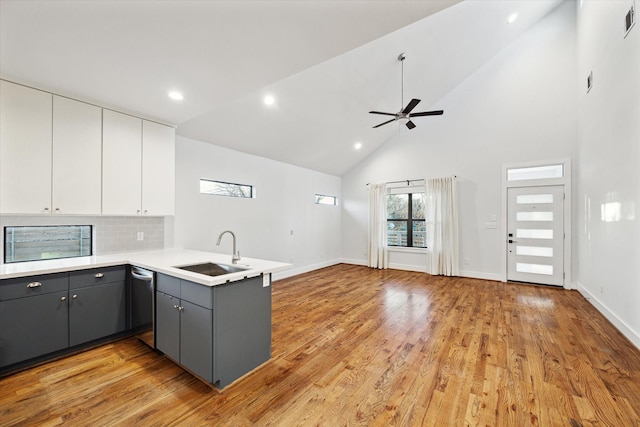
[[405, 220]]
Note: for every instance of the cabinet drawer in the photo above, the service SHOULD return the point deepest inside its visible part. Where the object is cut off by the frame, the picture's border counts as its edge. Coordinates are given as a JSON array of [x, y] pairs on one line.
[[168, 284], [96, 276], [34, 285], [196, 293]]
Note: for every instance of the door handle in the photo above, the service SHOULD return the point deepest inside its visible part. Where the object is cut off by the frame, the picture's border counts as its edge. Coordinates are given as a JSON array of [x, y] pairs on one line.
[[513, 241]]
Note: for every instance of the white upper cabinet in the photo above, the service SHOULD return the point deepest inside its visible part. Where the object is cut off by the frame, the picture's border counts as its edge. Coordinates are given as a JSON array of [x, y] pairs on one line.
[[138, 166], [62, 156], [121, 164], [25, 149], [158, 169], [77, 146]]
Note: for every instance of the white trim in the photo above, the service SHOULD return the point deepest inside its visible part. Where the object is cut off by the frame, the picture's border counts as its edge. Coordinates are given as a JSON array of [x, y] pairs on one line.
[[625, 329], [406, 249], [306, 269], [362, 262], [481, 275], [409, 267], [565, 181]]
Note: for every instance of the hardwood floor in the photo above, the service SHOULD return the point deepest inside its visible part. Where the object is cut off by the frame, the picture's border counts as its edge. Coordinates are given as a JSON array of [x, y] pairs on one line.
[[355, 346]]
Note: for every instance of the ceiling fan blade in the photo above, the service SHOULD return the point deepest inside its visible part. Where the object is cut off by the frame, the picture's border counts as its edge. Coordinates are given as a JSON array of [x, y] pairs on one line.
[[410, 106], [410, 124], [381, 112], [384, 123], [428, 113]]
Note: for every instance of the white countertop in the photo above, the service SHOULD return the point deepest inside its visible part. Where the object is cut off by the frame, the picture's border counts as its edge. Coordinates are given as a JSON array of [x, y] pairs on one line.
[[163, 261]]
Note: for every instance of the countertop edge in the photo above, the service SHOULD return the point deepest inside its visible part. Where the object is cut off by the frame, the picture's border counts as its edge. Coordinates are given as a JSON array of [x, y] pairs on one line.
[[161, 261]]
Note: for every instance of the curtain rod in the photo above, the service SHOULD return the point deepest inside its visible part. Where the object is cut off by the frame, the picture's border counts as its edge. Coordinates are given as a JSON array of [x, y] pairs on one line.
[[407, 181]]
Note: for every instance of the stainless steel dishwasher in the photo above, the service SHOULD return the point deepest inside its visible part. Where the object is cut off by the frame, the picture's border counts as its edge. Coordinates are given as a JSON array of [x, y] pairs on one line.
[[143, 305]]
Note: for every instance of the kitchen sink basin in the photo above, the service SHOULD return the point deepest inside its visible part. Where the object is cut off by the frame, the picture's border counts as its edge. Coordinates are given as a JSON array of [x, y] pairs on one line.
[[212, 269]]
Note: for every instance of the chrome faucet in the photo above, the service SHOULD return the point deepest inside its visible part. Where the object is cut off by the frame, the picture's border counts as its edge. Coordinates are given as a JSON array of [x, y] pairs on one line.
[[236, 255]]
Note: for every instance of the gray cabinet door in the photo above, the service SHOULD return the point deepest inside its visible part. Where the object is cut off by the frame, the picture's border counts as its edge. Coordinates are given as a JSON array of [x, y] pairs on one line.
[[196, 349], [168, 325], [96, 312], [33, 326]]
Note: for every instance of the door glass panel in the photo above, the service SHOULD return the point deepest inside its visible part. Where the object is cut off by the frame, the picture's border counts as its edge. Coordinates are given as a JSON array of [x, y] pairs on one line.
[[534, 251], [534, 216], [523, 199], [530, 233], [522, 267]]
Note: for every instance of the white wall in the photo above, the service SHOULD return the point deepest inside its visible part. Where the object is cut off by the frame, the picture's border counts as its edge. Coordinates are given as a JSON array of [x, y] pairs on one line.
[[285, 203], [609, 177], [519, 107]]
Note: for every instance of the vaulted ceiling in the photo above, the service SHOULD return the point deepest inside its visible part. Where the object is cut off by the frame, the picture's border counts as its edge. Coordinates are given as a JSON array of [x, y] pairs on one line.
[[327, 63]]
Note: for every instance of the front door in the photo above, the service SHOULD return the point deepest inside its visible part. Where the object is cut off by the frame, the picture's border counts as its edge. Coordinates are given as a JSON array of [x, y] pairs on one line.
[[535, 235]]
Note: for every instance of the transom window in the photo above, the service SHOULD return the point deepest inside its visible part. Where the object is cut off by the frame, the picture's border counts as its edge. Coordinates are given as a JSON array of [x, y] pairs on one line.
[[405, 220], [229, 189], [322, 199]]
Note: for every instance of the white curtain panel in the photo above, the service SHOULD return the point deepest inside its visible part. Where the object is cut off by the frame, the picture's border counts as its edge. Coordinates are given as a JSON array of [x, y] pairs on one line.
[[441, 219], [378, 252]]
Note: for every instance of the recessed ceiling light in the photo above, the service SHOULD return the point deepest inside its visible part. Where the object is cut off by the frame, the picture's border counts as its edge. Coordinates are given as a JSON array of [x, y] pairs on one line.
[[512, 18], [358, 145], [176, 96], [269, 100]]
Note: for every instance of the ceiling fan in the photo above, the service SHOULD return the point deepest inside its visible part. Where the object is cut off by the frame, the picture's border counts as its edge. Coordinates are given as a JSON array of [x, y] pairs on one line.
[[406, 114]]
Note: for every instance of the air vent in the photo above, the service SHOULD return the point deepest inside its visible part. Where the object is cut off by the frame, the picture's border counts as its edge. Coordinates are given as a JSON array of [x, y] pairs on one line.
[[629, 20]]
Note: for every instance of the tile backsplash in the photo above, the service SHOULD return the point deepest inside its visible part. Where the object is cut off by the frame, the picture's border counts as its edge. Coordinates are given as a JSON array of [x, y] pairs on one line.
[[111, 234]]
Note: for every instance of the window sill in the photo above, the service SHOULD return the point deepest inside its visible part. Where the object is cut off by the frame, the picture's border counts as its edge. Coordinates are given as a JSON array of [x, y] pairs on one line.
[[408, 250]]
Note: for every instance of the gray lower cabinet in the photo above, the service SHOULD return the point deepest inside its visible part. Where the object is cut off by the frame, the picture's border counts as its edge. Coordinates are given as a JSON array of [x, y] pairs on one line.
[[96, 312], [44, 314], [184, 329], [97, 304], [167, 325], [33, 326], [219, 333], [34, 317], [242, 334]]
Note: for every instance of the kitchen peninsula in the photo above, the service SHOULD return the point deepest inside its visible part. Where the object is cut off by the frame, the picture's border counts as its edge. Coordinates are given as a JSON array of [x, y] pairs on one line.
[[216, 327]]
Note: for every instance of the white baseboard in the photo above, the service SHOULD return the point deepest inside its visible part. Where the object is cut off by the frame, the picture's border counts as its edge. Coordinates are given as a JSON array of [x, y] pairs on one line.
[[305, 269], [354, 261], [480, 275], [625, 329]]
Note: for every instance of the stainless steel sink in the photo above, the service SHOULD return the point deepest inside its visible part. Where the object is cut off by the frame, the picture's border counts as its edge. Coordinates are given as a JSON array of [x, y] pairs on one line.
[[211, 269]]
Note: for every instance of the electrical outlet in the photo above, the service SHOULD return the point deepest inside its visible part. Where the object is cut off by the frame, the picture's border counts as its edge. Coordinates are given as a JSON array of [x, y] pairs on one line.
[[140, 236], [602, 288]]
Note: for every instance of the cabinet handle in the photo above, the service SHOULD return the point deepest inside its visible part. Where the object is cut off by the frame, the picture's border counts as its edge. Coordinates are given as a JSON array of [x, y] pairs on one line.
[[63, 299], [138, 211], [57, 210], [75, 297], [99, 275], [34, 285], [146, 211], [46, 209], [180, 308], [176, 307]]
